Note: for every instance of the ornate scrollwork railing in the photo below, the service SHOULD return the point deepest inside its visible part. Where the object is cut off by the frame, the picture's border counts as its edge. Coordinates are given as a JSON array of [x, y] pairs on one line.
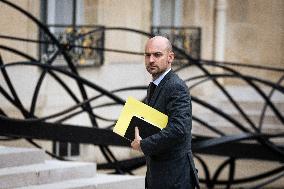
[[77, 41], [186, 38]]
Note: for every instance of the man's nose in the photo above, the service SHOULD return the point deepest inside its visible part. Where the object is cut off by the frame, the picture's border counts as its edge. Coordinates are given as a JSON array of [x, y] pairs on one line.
[[152, 58]]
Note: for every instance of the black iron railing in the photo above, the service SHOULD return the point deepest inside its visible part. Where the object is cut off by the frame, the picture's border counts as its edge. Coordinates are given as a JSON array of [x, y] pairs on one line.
[[186, 38], [84, 44]]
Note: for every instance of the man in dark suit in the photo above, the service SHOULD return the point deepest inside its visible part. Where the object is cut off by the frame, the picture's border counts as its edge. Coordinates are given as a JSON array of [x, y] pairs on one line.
[[168, 153]]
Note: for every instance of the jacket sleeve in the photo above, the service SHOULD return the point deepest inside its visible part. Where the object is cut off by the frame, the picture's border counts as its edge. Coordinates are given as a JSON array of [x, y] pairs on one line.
[[178, 109]]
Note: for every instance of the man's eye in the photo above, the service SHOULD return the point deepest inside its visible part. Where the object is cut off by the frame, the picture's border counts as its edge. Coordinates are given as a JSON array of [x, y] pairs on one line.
[[157, 55]]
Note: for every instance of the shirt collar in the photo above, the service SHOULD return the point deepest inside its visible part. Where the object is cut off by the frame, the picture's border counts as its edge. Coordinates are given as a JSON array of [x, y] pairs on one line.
[[161, 77]]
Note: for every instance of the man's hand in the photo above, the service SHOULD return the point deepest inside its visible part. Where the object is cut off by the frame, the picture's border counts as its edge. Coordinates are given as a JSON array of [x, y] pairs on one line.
[[135, 144]]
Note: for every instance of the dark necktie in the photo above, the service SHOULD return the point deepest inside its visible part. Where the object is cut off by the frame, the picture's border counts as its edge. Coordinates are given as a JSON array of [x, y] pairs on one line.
[[152, 88]]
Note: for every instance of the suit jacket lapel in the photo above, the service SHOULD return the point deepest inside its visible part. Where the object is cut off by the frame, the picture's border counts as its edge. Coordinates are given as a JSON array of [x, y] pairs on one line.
[[159, 88]]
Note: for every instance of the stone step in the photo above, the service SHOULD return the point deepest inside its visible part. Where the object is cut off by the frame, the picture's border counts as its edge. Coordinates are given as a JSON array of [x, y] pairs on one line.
[[48, 172], [11, 156], [100, 181], [232, 130], [215, 118], [246, 93], [251, 107], [267, 128]]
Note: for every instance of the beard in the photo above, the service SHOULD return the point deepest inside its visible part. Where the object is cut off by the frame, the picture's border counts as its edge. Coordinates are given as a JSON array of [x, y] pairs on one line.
[[154, 71]]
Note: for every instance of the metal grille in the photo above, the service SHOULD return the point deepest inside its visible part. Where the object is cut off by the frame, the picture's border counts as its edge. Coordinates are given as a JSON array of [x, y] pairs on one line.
[[84, 45], [185, 38]]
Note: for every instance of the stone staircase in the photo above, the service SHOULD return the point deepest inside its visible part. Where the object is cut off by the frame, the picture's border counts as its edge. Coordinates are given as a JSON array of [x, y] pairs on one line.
[[28, 168], [252, 104]]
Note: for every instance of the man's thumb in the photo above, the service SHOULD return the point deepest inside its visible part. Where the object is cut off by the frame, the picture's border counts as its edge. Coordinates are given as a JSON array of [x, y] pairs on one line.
[[137, 136]]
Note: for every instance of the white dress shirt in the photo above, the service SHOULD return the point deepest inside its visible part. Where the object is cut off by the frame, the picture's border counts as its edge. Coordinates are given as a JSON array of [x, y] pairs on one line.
[[161, 77]]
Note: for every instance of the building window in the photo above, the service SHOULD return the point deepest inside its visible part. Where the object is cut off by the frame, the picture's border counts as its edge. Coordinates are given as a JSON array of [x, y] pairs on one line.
[[83, 43], [167, 12], [167, 21], [66, 20]]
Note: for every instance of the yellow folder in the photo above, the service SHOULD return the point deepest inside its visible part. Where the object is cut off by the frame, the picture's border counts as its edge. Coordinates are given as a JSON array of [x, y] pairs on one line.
[[135, 108]]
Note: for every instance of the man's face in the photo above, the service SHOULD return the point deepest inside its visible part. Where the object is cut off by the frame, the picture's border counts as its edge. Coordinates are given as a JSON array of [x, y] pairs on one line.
[[157, 57]]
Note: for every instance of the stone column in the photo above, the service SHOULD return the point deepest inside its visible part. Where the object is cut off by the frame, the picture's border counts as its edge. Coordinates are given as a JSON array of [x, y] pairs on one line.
[[220, 29], [178, 13], [156, 12]]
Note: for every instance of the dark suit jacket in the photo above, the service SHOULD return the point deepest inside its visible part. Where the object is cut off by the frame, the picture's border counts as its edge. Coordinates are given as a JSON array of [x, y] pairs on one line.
[[168, 153]]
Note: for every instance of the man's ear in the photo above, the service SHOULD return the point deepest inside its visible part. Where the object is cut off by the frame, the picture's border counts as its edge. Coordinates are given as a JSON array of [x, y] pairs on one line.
[[171, 57]]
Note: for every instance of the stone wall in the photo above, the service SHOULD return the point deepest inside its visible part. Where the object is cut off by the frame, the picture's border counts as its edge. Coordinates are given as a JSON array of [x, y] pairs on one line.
[[15, 24]]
